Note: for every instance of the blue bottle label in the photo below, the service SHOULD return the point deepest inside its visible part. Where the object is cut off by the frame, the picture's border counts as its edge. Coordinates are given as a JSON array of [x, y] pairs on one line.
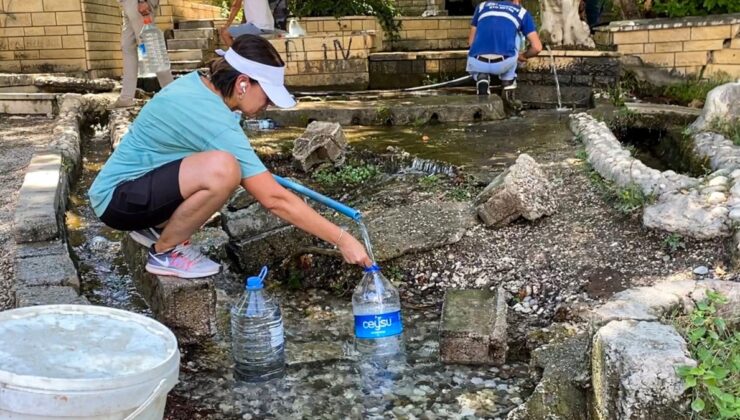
[[378, 326]]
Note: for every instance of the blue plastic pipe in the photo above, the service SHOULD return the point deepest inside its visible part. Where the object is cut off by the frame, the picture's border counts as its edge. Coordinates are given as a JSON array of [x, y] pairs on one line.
[[313, 195]]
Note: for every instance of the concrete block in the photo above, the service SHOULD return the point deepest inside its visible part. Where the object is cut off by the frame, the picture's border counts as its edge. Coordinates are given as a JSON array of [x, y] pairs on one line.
[[194, 33], [189, 44], [48, 295], [711, 32], [473, 327], [707, 45], [38, 200], [187, 306], [670, 35], [630, 37], [27, 103], [46, 270], [694, 58], [186, 55], [663, 47], [630, 48], [195, 24]]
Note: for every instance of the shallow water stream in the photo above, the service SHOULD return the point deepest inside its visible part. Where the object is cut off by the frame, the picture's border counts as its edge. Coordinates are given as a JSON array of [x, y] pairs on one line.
[[323, 378]]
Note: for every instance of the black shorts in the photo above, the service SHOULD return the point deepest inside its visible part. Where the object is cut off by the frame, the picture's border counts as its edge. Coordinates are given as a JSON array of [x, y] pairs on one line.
[[146, 201]]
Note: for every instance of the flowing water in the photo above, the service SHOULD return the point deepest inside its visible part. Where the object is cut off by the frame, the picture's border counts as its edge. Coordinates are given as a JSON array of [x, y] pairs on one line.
[[557, 82], [366, 239]]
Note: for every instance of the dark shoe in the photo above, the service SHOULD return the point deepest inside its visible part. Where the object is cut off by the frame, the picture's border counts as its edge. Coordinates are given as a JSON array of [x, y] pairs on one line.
[[483, 86], [509, 84]]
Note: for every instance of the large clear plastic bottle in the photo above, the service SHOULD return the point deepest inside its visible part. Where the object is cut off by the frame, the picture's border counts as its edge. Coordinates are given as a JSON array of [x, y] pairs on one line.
[[144, 70], [156, 49], [257, 337], [377, 309]]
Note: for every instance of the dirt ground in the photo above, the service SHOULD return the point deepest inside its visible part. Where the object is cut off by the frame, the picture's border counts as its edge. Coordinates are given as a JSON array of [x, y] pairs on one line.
[[19, 138]]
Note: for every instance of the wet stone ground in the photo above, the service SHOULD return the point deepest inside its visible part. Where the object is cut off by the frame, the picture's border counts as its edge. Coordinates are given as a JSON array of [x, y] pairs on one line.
[[552, 267]]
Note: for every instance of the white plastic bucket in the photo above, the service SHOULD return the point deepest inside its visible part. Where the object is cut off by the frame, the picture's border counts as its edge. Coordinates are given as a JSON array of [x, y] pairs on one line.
[[84, 362]]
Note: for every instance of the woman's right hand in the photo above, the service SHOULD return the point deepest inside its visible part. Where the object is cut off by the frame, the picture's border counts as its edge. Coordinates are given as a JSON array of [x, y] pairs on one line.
[[353, 251]]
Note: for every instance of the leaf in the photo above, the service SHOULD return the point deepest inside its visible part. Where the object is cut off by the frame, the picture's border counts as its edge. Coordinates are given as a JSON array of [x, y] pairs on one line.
[[697, 405], [720, 323], [720, 372], [690, 381]]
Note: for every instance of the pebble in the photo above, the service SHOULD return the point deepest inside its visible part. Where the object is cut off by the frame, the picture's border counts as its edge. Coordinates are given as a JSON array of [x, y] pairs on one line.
[[701, 270], [476, 381]]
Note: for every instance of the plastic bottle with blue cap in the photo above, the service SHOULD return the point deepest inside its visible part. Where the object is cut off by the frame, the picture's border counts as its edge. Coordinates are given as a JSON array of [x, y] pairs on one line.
[[376, 306], [257, 336]]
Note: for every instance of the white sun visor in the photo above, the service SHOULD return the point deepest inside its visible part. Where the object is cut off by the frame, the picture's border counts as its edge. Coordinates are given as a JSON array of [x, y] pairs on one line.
[[271, 78]]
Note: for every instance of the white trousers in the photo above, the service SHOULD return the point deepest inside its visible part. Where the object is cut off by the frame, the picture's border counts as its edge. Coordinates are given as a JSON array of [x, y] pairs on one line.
[[133, 22]]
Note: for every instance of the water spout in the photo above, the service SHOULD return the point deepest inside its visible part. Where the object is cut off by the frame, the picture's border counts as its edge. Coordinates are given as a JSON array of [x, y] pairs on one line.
[[560, 107]]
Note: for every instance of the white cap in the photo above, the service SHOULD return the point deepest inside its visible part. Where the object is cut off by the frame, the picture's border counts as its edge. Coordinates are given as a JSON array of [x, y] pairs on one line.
[[271, 78]]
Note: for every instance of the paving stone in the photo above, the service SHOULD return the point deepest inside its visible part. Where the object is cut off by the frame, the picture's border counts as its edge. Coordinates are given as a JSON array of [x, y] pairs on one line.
[[48, 295], [46, 270], [39, 197], [473, 327]]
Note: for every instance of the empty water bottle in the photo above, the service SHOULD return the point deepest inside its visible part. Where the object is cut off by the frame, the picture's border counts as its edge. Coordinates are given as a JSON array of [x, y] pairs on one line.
[[144, 70], [258, 344], [156, 49], [377, 309]]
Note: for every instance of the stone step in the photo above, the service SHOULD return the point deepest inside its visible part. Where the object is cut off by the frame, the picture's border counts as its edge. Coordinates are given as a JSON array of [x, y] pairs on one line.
[[27, 103], [187, 306], [185, 55], [195, 24], [190, 44], [194, 33], [187, 65]]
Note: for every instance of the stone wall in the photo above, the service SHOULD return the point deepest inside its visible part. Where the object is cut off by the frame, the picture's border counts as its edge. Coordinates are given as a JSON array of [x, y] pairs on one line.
[[326, 62], [79, 37], [575, 68], [690, 46], [416, 34], [417, 7]]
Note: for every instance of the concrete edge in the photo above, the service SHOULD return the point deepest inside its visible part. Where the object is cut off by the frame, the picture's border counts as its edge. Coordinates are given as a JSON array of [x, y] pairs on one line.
[[43, 196]]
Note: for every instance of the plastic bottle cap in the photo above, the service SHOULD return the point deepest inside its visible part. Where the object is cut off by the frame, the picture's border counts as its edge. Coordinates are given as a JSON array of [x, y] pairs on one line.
[[147, 20], [257, 282], [372, 269]]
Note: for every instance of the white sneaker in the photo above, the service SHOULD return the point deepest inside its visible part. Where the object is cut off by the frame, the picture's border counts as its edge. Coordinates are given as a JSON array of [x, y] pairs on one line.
[[184, 261]]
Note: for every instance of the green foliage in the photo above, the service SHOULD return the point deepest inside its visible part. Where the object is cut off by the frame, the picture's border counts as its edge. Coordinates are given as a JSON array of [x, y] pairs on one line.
[[346, 176], [694, 89], [674, 242], [384, 10], [728, 128], [627, 200], [430, 181], [715, 382], [384, 115], [681, 8], [460, 193]]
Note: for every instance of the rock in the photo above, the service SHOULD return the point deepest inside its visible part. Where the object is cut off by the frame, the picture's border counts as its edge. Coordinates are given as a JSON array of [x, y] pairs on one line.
[[520, 191], [118, 123], [730, 290], [250, 221], [722, 104], [241, 199], [687, 215], [417, 227], [561, 393], [696, 103], [473, 327], [562, 25], [61, 84], [211, 242], [269, 248], [321, 142], [701, 270], [634, 371], [46, 270]]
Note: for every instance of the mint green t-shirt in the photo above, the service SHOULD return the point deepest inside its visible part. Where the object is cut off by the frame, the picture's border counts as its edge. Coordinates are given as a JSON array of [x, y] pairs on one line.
[[183, 119]]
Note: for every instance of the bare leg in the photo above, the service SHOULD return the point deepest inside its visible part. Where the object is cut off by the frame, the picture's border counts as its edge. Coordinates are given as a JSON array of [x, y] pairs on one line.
[[207, 180]]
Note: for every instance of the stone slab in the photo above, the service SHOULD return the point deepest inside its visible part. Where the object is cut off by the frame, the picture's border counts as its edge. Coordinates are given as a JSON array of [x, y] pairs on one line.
[[39, 198], [27, 103], [48, 295], [404, 111], [187, 306], [195, 24], [473, 327], [46, 270]]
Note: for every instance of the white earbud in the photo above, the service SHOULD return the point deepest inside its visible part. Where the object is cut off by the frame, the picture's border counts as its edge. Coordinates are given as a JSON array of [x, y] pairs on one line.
[[243, 85]]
